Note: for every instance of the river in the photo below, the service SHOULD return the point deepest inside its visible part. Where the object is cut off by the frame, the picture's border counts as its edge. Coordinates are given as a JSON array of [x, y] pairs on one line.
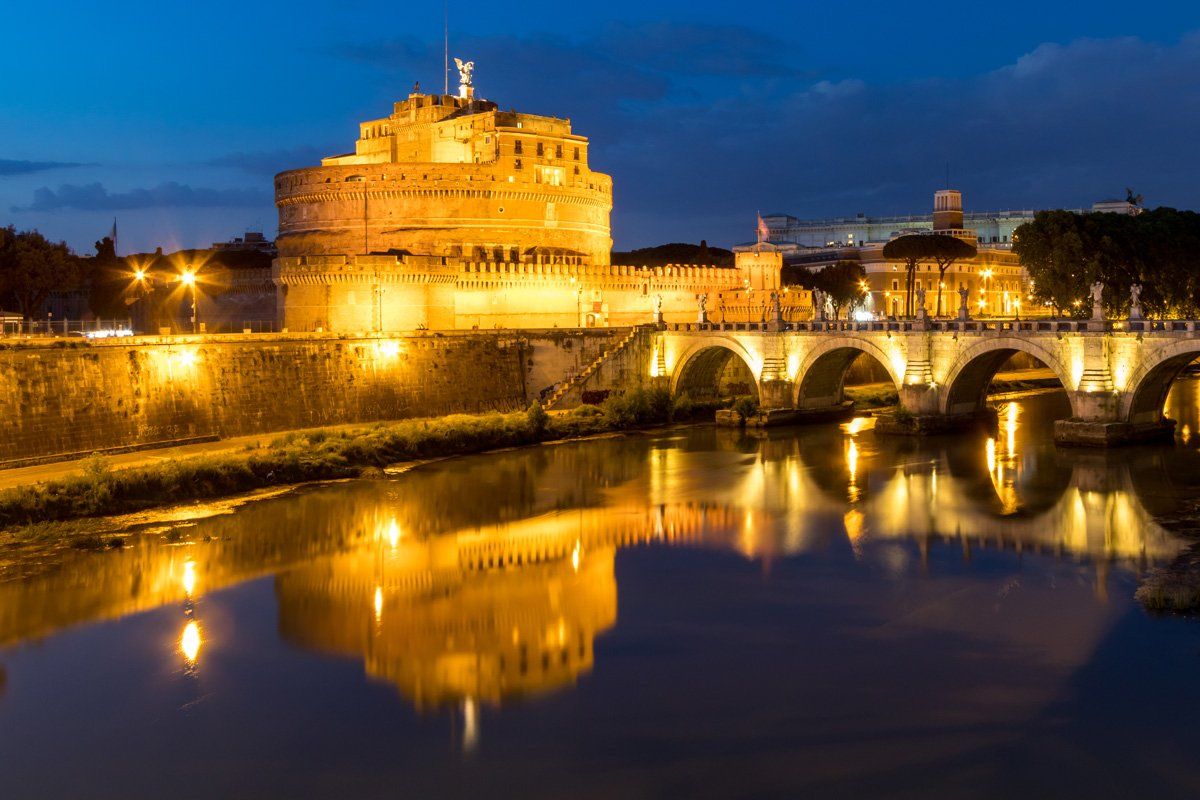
[[689, 612]]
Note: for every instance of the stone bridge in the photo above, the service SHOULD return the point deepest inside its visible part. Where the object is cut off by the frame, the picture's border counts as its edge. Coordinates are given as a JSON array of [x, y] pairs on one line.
[[1115, 373]]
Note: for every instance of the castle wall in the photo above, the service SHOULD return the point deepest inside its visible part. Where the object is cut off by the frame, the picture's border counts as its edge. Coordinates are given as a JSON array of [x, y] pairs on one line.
[[58, 397], [364, 293]]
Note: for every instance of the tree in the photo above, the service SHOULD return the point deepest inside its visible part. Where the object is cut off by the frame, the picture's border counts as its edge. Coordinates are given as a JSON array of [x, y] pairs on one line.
[[914, 248], [31, 267], [1064, 253], [843, 284], [945, 250], [109, 281]]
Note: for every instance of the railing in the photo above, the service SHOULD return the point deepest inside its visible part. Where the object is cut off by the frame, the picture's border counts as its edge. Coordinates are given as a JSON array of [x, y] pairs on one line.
[[89, 328], [953, 326]]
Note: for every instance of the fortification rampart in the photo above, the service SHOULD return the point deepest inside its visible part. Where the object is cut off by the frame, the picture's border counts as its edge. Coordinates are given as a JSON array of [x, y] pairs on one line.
[[59, 397]]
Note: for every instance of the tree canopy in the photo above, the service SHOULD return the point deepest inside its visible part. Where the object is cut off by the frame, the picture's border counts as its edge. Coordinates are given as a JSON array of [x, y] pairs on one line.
[[31, 267], [841, 282], [1064, 253], [675, 253]]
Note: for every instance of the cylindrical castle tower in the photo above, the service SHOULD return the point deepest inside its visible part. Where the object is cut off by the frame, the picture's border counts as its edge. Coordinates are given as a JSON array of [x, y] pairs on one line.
[[451, 177]]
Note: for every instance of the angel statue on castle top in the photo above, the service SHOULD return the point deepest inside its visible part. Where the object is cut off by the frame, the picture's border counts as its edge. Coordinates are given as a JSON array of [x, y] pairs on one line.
[[465, 69]]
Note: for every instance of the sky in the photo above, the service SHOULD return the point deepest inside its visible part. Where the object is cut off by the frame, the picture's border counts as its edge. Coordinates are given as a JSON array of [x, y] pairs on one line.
[[172, 117]]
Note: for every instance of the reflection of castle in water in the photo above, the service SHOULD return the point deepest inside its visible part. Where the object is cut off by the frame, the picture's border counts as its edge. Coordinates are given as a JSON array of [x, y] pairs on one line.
[[463, 600], [446, 636]]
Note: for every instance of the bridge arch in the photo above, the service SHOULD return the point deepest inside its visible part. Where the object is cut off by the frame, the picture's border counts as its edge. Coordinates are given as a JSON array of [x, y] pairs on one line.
[[966, 384], [712, 365], [1150, 382], [821, 378]]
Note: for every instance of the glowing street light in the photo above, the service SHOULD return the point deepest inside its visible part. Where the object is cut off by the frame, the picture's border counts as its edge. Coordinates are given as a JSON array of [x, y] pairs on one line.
[[188, 279]]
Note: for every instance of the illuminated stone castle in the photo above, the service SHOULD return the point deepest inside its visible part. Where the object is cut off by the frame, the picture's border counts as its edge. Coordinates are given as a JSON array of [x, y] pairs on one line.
[[451, 213]]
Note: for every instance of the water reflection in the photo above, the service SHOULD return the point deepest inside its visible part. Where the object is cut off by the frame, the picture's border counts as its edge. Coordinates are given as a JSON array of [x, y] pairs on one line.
[[484, 580]]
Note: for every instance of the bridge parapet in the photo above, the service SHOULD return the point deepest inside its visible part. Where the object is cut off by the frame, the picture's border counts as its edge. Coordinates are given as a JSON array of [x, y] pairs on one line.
[[1116, 372]]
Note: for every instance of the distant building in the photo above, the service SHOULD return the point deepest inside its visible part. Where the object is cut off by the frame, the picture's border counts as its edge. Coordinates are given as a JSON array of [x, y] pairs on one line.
[[234, 290], [995, 282], [991, 227], [252, 242]]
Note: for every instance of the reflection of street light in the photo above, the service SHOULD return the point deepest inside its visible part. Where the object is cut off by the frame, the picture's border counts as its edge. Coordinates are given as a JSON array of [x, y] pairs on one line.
[[188, 279]]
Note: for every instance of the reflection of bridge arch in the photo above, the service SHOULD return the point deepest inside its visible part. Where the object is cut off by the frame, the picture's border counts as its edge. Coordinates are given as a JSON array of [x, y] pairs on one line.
[[822, 375], [703, 365], [1150, 382], [968, 379]]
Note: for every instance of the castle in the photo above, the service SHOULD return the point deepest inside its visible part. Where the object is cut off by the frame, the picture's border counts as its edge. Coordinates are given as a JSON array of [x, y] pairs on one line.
[[453, 214]]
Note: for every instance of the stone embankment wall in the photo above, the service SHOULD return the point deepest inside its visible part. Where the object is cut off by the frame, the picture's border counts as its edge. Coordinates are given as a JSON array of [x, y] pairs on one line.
[[66, 397]]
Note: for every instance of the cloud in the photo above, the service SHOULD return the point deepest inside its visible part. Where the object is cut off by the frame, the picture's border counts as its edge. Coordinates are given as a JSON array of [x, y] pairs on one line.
[[271, 162], [1065, 124], [621, 63], [702, 125], [94, 197], [15, 167]]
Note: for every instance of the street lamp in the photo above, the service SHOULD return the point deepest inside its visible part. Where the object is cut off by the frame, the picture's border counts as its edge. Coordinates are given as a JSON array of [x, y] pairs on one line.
[[987, 277], [188, 279]]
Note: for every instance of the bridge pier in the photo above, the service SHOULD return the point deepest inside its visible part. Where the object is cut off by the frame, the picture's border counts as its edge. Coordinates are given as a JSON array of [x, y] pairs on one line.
[[920, 414], [1097, 423]]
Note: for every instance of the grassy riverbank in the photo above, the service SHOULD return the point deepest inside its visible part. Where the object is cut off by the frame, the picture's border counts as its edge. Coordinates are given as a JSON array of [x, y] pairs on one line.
[[323, 455], [1174, 588]]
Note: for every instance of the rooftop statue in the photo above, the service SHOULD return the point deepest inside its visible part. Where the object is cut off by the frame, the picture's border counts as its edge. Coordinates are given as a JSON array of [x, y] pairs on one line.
[[465, 71]]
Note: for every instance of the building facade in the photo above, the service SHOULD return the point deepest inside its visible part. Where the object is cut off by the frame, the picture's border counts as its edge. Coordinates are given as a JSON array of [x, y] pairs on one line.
[[993, 228], [995, 282]]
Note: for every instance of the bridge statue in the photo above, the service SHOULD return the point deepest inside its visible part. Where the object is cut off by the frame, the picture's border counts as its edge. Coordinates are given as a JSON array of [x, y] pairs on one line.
[[1097, 300], [776, 309], [818, 301], [1135, 301], [702, 317], [964, 310], [658, 317], [921, 312]]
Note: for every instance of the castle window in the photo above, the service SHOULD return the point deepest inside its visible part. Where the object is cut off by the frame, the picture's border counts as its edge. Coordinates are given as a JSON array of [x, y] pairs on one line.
[[558, 151], [576, 153], [576, 170], [517, 164], [518, 147], [540, 150]]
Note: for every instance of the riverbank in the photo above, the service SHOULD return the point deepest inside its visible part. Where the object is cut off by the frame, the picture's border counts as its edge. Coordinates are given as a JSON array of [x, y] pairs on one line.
[[316, 455], [1175, 588], [106, 486]]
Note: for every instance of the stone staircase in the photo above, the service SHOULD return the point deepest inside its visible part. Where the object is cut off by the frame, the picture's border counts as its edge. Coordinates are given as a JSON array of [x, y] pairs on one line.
[[587, 372]]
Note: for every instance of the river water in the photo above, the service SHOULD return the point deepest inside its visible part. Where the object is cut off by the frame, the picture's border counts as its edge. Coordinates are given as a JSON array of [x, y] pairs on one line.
[[692, 612]]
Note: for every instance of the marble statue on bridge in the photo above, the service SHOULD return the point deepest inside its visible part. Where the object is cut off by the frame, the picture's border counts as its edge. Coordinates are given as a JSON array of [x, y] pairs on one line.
[[1135, 301], [1097, 300]]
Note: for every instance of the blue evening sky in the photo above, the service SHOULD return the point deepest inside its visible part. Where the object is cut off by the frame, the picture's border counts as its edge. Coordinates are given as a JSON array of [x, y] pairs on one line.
[[173, 116]]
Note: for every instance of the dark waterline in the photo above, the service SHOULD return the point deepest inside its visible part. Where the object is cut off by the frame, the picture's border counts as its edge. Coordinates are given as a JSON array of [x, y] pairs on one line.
[[688, 613]]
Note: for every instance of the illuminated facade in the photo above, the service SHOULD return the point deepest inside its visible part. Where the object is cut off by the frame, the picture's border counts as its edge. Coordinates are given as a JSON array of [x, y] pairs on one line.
[[990, 227], [453, 214], [995, 282]]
